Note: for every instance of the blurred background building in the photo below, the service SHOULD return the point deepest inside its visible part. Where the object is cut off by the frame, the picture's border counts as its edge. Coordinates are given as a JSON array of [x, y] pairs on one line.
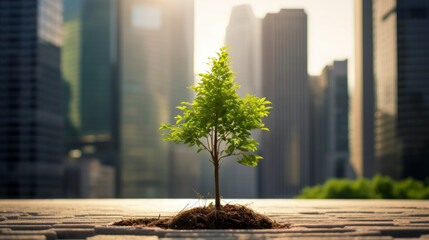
[[362, 98], [401, 50], [243, 34], [89, 70], [318, 130], [31, 120], [286, 148], [125, 66], [334, 78], [329, 118]]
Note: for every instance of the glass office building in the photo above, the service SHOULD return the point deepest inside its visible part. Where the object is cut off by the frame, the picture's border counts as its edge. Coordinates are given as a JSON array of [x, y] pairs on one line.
[[30, 88], [89, 64], [284, 171], [129, 65], [156, 66], [401, 50], [337, 117]]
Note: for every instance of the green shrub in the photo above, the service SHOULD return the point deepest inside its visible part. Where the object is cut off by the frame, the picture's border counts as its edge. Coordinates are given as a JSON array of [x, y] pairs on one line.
[[383, 187], [380, 187]]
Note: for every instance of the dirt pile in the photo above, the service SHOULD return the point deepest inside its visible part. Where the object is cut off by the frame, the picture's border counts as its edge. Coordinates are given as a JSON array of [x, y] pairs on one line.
[[228, 217]]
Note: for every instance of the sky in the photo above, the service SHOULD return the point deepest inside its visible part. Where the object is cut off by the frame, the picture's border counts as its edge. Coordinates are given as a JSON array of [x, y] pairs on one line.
[[330, 28]]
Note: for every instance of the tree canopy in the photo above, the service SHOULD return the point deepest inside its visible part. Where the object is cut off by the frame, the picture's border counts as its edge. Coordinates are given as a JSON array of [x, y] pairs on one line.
[[218, 120], [218, 114]]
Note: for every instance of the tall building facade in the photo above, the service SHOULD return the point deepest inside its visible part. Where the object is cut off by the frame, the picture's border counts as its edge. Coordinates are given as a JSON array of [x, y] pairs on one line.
[[362, 160], [30, 88], [184, 166], [156, 66], [401, 47], [337, 119], [243, 34], [135, 62], [286, 148], [89, 70], [329, 114], [318, 130]]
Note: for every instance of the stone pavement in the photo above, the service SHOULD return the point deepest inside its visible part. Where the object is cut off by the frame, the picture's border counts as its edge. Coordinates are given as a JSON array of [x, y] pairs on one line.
[[311, 219]]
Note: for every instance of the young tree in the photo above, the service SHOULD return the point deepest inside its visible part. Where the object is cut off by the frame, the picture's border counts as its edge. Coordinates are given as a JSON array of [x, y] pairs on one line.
[[218, 120]]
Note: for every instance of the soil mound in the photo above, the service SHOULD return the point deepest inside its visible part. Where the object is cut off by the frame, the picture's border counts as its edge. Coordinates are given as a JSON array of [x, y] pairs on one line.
[[228, 217]]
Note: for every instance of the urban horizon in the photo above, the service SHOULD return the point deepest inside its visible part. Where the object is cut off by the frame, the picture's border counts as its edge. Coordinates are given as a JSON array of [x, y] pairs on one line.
[[85, 85]]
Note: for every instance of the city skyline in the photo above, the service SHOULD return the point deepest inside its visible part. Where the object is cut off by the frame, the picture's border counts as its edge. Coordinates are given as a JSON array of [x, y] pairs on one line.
[[324, 43], [85, 89]]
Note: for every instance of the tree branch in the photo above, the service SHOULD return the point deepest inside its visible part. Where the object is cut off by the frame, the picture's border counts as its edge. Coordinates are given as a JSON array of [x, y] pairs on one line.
[[231, 154], [211, 139], [208, 145], [219, 142], [205, 147], [225, 134]]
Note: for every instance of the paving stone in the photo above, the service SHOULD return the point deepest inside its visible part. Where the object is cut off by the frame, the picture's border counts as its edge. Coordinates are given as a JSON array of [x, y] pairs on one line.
[[321, 225], [99, 215], [27, 227], [73, 233], [312, 213], [77, 222], [23, 237], [369, 224], [60, 225], [43, 218], [26, 222], [214, 238], [426, 221], [348, 212], [50, 235], [369, 220], [125, 230], [122, 237], [404, 232]]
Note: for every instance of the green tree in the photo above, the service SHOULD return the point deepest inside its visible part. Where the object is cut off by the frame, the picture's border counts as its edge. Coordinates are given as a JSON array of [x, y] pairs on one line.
[[218, 120]]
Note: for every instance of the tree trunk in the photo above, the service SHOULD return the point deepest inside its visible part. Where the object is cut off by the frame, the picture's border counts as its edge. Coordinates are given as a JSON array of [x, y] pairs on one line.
[[216, 166], [217, 196]]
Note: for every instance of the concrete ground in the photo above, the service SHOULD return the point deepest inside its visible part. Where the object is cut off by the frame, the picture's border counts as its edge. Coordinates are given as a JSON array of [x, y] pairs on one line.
[[311, 219]]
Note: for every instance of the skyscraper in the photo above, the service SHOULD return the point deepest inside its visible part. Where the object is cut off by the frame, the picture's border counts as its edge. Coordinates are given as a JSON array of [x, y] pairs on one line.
[[329, 123], [30, 89], [318, 130], [136, 60], [362, 100], [243, 34], [89, 70], [337, 119], [285, 167], [156, 66], [401, 47]]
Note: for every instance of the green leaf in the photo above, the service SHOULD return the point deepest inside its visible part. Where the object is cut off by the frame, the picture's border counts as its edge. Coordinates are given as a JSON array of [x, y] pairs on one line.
[[249, 160]]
